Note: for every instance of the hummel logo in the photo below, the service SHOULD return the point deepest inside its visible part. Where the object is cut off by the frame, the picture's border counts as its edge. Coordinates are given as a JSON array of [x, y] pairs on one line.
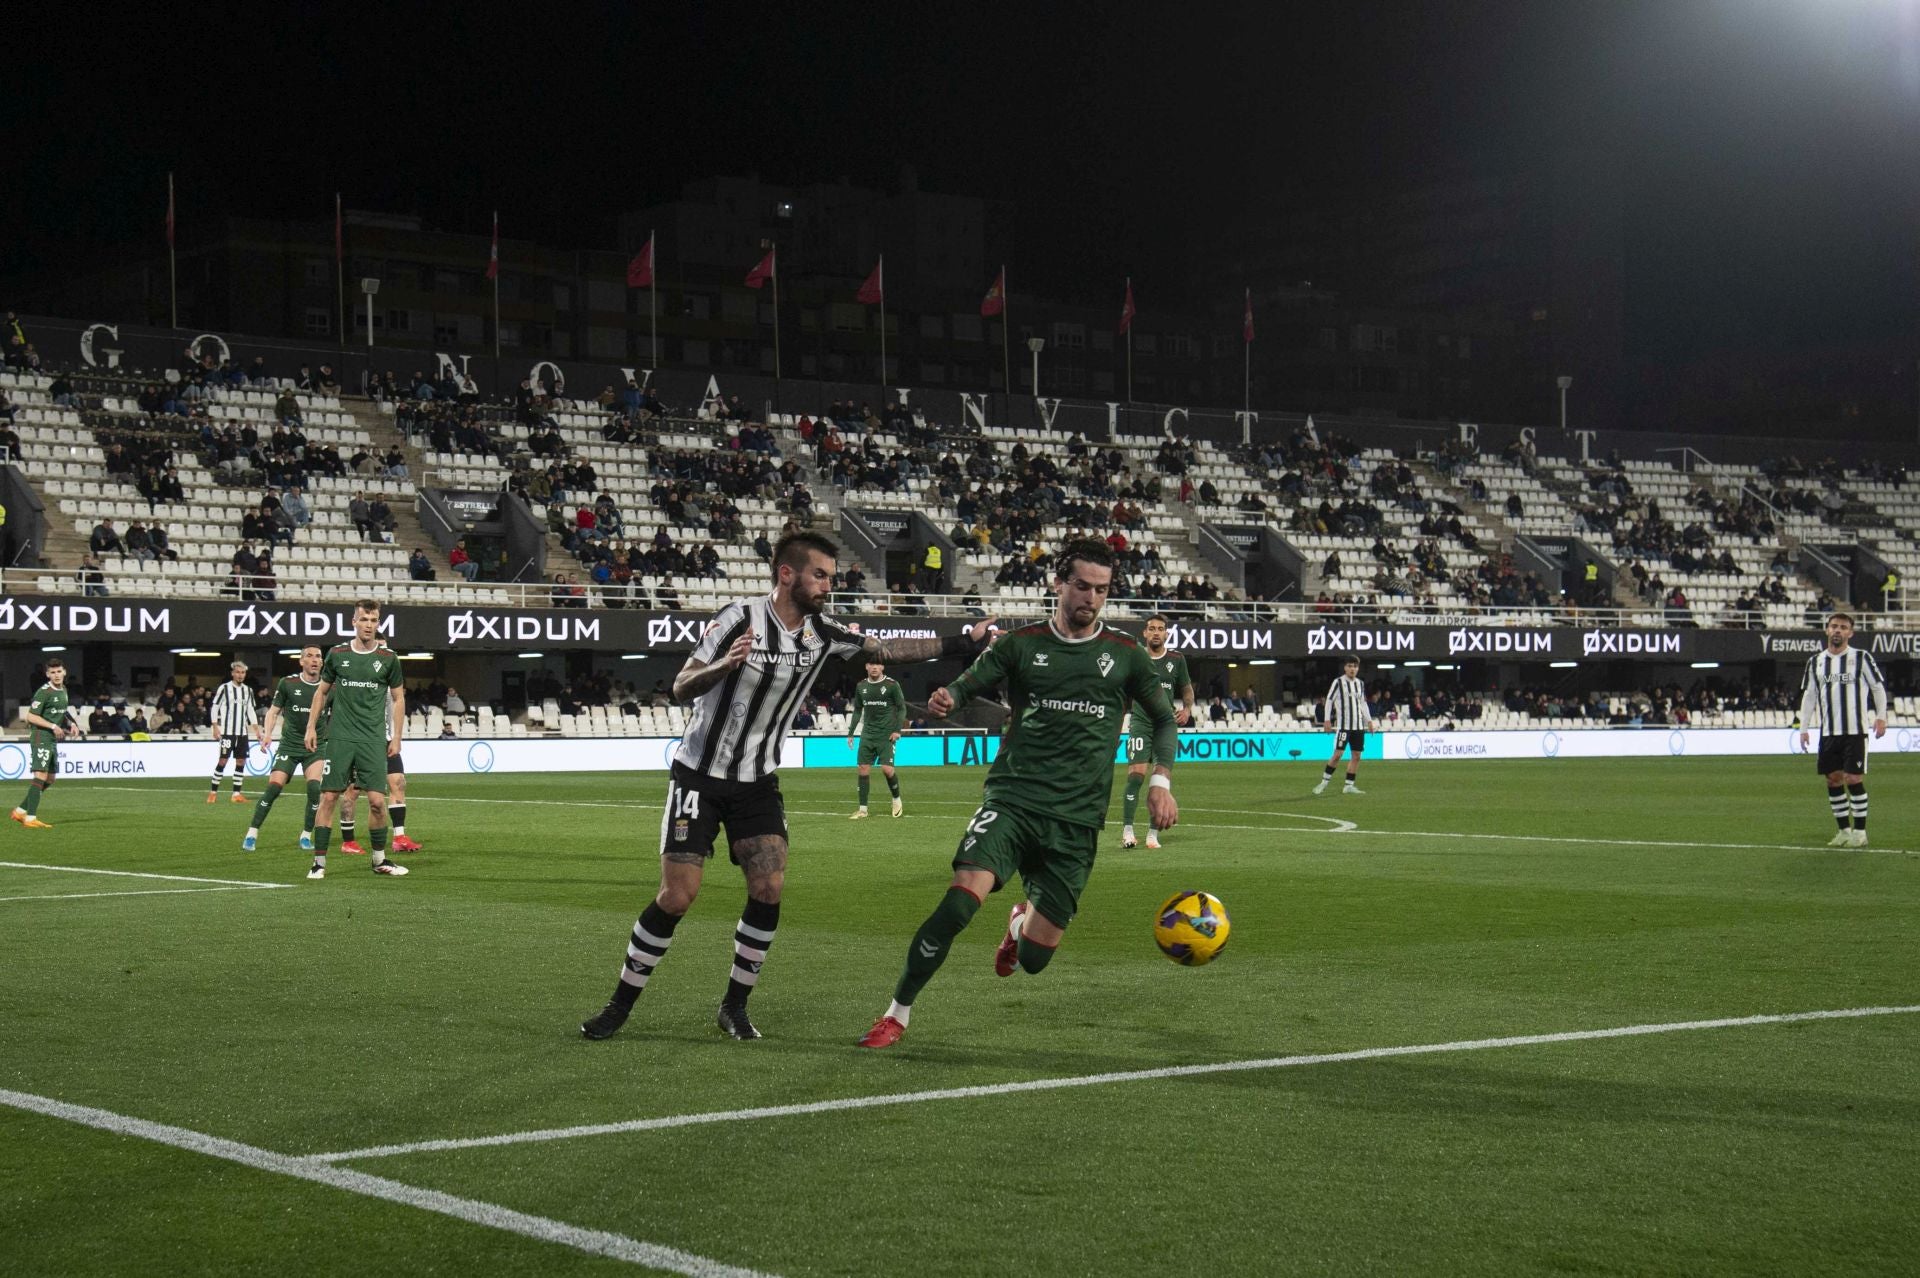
[[929, 950], [1039, 658]]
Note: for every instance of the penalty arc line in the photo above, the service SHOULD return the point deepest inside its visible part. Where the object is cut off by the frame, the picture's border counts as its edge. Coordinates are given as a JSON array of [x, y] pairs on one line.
[[592, 1241], [137, 874], [79, 896], [1095, 1080]]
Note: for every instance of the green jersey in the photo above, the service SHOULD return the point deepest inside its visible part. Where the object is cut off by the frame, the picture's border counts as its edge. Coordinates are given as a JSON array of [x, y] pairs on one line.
[[1067, 697], [293, 698], [50, 703], [359, 690], [1170, 668], [881, 707]]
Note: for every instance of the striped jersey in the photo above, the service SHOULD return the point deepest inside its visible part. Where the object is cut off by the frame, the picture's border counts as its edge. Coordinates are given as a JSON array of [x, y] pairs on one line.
[[1842, 693], [1347, 709], [739, 723], [234, 709]]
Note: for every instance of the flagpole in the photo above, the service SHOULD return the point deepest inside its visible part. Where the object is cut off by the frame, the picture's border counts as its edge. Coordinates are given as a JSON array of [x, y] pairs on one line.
[[1129, 349], [173, 276], [881, 271], [340, 266], [1006, 360], [496, 289], [776, 310], [653, 297], [1246, 377]]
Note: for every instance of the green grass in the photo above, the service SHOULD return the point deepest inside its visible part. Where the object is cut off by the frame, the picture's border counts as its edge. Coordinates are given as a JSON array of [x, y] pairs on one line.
[[361, 1011]]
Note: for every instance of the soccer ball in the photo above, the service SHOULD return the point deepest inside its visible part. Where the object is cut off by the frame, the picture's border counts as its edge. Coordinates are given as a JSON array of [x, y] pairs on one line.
[[1191, 928]]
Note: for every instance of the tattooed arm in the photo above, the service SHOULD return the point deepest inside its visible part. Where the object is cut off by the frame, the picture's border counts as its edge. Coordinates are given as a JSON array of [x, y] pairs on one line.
[[697, 676]]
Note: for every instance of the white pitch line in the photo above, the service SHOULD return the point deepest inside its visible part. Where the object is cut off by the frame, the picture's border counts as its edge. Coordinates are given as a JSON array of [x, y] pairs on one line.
[[137, 874], [592, 1241], [1622, 843], [1094, 1080], [78, 896]]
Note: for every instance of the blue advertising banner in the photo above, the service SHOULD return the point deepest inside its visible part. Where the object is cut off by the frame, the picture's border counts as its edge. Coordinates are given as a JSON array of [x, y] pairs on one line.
[[972, 749]]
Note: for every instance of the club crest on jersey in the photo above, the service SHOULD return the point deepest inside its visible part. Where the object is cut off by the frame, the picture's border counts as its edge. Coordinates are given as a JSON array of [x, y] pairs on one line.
[[376, 667], [1039, 658], [680, 830], [1105, 663]]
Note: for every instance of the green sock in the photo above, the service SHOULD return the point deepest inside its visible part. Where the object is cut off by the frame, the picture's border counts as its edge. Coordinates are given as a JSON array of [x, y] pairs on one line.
[[866, 787], [265, 805], [322, 835], [379, 837], [1130, 800], [1034, 956], [893, 784], [313, 804], [32, 802], [928, 949]]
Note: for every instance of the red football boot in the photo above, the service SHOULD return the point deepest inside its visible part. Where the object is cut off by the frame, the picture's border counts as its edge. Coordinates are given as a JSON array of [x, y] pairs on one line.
[[1007, 957], [885, 1033], [353, 848], [401, 843]]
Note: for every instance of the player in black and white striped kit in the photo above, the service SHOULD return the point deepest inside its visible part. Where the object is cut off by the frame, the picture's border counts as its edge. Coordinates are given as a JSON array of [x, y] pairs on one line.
[[1350, 718], [233, 716], [1842, 692], [747, 678]]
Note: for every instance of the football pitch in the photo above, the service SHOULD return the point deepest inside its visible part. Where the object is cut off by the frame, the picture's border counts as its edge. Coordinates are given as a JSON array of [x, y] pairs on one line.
[[1516, 1017]]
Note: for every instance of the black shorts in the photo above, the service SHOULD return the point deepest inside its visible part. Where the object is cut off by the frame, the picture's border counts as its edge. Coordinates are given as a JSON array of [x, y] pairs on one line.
[[698, 806], [1843, 753], [1355, 737], [236, 743], [395, 765]]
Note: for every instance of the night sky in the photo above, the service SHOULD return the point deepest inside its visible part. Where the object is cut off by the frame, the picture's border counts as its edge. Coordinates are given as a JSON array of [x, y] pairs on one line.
[[1770, 149]]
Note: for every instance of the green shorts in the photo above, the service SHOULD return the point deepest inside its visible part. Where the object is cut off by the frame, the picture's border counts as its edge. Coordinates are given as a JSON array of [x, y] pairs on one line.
[[1053, 857], [879, 751], [351, 763], [1139, 749], [292, 757], [45, 758]]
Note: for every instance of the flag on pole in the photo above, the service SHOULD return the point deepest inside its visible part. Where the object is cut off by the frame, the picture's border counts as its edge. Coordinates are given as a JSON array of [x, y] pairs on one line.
[[875, 289], [1126, 310], [996, 299], [169, 210], [339, 232], [640, 269], [759, 275], [1246, 320], [493, 257]]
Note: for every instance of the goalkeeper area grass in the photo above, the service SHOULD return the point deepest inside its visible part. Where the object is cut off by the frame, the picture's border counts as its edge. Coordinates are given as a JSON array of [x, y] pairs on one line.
[[1514, 1017]]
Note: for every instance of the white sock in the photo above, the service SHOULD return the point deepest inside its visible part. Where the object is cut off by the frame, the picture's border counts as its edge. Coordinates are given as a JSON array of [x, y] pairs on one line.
[[900, 1012], [253, 832], [399, 831], [1018, 928]]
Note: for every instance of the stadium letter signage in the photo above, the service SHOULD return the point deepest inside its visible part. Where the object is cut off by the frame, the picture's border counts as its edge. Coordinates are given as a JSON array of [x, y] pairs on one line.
[[1331, 639], [1499, 642], [296, 623], [472, 627], [1203, 638], [673, 632], [1892, 645], [46, 618], [1808, 644], [1629, 643]]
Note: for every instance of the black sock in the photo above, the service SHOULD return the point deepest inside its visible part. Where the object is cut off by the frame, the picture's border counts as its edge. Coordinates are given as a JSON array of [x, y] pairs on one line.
[[652, 934], [893, 784], [1857, 800], [1838, 804], [752, 938], [1328, 774]]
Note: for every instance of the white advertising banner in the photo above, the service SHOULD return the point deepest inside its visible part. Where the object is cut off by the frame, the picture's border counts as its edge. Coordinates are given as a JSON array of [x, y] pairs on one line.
[[105, 760]]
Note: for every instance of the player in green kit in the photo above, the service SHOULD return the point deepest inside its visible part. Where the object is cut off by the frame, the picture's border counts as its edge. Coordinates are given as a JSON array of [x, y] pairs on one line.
[[879, 703], [360, 681], [47, 716], [1171, 670], [1068, 680], [292, 705]]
